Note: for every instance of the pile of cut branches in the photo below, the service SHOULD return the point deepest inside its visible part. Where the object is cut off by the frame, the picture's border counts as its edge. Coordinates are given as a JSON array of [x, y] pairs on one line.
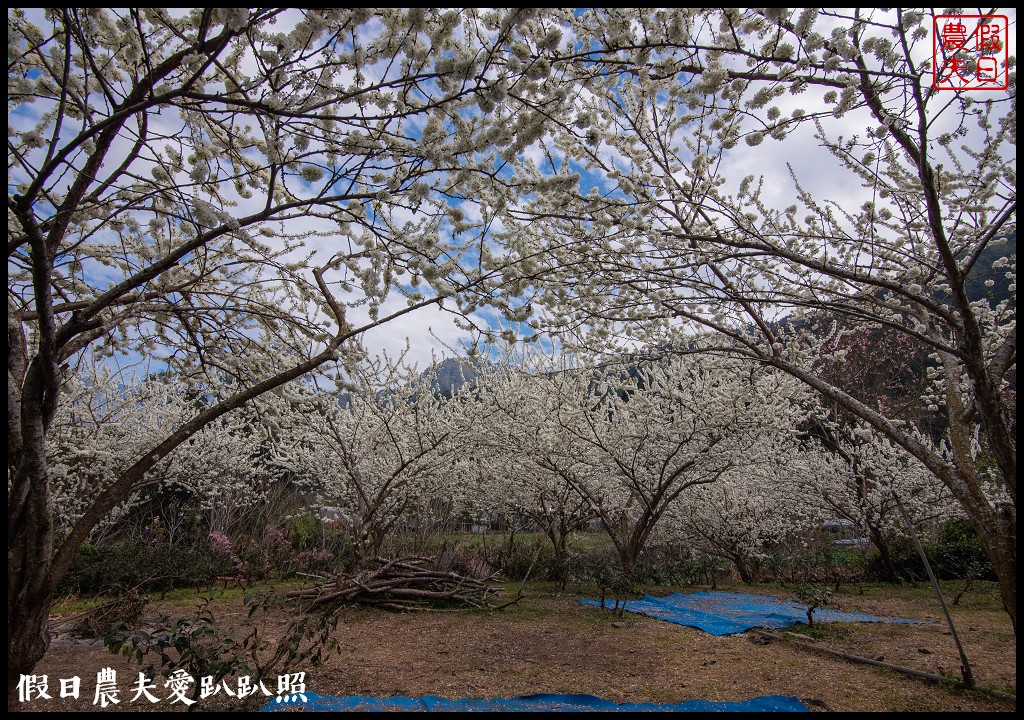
[[125, 609], [403, 584]]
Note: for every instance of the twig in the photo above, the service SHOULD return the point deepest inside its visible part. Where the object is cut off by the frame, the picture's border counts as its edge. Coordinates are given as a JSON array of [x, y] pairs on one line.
[[400, 584]]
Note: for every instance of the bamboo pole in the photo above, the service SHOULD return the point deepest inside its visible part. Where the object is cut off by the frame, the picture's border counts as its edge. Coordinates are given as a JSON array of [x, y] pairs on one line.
[[879, 663], [965, 666]]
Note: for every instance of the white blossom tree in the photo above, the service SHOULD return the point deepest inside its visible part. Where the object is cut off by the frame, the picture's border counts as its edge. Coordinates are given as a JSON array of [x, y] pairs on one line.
[[103, 423], [532, 467], [645, 435], [664, 222], [99, 427], [869, 473], [380, 455], [235, 192], [752, 511]]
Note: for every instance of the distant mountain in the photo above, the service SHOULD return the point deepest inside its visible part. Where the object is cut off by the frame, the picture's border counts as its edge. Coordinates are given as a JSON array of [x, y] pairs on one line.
[[983, 271], [448, 376]]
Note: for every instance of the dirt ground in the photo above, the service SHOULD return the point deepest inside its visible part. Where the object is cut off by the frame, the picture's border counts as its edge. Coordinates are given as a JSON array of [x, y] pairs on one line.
[[550, 643]]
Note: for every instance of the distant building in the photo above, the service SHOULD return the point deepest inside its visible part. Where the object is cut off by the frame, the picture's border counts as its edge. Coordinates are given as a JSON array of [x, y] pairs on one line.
[[845, 533]]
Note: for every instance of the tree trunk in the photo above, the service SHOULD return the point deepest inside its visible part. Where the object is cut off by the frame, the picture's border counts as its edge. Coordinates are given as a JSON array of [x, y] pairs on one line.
[[29, 592], [559, 538], [628, 553], [997, 532], [27, 638], [743, 569], [884, 556]]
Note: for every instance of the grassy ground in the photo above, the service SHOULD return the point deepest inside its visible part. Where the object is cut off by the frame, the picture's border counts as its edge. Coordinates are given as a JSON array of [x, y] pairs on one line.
[[549, 642]]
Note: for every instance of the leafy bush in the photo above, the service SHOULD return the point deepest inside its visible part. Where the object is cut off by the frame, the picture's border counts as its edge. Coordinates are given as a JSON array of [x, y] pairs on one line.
[[318, 546], [961, 561], [813, 597], [601, 567], [200, 646], [143, 565], [306, 532], [674, 564], [561, 569], [519, 556], [311, 532], [258, 558], [956, 555]]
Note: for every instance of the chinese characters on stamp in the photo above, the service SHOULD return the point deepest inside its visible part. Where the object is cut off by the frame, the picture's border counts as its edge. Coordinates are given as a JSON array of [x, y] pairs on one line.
[[970, 52]]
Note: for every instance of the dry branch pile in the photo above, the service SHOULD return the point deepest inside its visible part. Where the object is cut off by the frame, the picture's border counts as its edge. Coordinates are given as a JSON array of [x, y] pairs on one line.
[[403, 584]]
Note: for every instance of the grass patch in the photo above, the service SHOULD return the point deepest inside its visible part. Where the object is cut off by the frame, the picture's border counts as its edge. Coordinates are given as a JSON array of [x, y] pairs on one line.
[[822, 630], [74, 605]]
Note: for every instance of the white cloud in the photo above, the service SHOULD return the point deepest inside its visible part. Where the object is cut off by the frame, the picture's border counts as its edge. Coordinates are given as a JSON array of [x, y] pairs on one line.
[[423, 334]]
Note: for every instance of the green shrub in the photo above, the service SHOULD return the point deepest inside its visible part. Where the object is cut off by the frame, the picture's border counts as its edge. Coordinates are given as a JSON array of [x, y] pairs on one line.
[[673, 564], [519, 556], [961, 561], [143, 565], [957, 555], [306, 532]]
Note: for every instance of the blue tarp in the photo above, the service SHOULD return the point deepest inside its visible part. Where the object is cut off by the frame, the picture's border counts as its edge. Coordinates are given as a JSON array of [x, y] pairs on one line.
[[527, 703], [721, 613]]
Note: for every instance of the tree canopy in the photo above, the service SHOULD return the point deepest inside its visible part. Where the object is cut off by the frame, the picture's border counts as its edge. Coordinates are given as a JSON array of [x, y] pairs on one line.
[[234, 197], [659, 233]]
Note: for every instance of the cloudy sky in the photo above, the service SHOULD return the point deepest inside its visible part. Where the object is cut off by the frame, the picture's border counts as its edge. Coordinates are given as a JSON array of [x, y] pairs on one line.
[[430, 332]]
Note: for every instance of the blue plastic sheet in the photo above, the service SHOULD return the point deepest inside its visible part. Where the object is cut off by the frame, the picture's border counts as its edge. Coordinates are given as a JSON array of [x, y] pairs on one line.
[[720, 613], [528, 703]]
